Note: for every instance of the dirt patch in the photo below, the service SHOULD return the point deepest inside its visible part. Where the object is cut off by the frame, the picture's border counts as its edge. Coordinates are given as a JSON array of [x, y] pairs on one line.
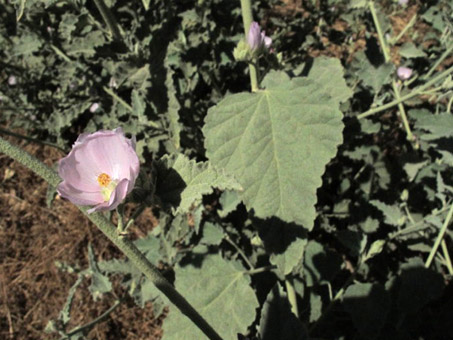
[[32, 237]]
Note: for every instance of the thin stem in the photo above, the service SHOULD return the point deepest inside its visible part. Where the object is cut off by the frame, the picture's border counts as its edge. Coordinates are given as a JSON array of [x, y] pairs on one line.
[[247, 18], [415, 227], [136, 214], [14, 134], [409, 25], [387, 58], [292, 297], [239, 250], [396, 90], [439, 238], [439, 61], [447, 257], [109, 19], [124, 244], [414, 93], [90, 324], [379, 31], [260, 270]]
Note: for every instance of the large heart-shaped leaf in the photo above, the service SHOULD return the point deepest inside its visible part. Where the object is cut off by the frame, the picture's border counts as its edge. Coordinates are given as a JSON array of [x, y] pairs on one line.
[[277, 142]]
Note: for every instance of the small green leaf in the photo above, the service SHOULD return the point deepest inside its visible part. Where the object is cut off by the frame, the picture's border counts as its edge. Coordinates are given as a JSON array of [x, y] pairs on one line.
[[277, 321], [320, 265], [392, 214], [212, 234], [183, 182]]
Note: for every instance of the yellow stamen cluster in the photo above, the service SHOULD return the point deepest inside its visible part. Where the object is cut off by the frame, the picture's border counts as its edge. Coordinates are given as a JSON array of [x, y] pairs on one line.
[[104, 179]]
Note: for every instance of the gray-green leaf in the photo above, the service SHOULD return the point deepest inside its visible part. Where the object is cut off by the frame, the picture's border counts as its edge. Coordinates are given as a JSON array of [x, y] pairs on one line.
[[277, 143]]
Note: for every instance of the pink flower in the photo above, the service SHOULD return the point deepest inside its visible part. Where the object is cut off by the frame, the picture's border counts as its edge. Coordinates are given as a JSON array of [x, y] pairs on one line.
[[256, 38], [100, 170], [404, 73], [94, 107]]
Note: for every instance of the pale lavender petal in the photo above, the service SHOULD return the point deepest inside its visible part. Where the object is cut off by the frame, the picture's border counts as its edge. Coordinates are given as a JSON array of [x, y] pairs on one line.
[[267, 42], [254, 36], [404, 73], [403, 2], [94, 107], [77, 196]]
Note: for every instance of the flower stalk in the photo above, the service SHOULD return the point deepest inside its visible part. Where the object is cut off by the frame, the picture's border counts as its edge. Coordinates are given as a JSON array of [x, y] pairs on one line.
[[247, 18], [123, 243]]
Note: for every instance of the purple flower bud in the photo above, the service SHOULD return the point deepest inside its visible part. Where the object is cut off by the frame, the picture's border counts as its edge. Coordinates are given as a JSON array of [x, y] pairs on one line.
[[256, 38], [94, 107], [404, 73], [100, 170], [12, 80]]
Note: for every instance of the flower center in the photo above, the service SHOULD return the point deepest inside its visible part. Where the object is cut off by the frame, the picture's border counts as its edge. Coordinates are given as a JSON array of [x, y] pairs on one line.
[[107, 186], [104, 179]]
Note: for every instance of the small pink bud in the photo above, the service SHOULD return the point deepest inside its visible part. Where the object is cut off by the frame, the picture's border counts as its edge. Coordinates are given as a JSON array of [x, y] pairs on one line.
[[12, 80], [100, 170], [257, 39], [404, 73], [94, 107]]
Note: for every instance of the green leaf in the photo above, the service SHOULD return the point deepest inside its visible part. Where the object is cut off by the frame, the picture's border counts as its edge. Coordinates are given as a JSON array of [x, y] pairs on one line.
[[277, 321], [138, 106], [368, 305], [183, 182], [212, 234], [284, 242], [229, 201], [328, 73], [409, 50], [438, 126], [277, 143], [392, 214], [220, 291], [26, 45], [370, 75], [320, 265]]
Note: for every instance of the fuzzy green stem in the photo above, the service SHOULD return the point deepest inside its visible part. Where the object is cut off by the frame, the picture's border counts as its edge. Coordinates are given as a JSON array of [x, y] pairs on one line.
[[18, 135], [247, 18], [292, 297], [413, 94], [123, 243], [109, 19], [440, 236]]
